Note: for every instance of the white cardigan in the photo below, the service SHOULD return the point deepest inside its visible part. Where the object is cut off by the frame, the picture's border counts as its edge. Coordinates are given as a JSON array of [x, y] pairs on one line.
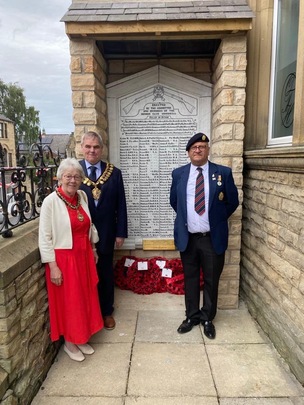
[[55, 227]]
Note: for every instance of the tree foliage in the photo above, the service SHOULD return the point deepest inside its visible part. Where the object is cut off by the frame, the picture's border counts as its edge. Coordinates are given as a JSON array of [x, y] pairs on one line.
[[13, 106]]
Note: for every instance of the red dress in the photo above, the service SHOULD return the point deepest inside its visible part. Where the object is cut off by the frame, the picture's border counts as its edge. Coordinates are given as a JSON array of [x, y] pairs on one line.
[[74, 305]]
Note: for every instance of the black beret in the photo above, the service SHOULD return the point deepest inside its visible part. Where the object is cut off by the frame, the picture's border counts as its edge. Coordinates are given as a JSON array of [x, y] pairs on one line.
[[199, 137]]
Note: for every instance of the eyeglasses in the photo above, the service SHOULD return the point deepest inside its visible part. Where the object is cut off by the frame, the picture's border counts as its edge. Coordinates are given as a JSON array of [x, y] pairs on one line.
[[200, 148], [70, 177]]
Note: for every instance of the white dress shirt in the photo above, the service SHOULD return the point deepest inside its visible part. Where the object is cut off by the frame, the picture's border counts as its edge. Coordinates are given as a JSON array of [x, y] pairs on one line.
[[197, 223]]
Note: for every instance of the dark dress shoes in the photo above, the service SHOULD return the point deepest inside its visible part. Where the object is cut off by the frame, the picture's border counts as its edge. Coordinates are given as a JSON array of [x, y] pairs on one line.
[[209, 329], [187, 325]]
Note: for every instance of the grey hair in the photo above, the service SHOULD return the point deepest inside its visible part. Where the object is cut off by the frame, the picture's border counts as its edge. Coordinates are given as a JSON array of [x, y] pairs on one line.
[[92, 134], [69, 163]]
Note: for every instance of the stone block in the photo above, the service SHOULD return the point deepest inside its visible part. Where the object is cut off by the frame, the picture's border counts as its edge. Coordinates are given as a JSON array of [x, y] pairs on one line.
[[75, 64], [85, 116], [30, 295], [77, 99], [82, 82], [230, 79], [222, 149], [89, 64], [27, 314], [6, 310], [7, 323], [7, 336], [229, 114], [240, 61], [235, 44], [81, 47], [239, 131]]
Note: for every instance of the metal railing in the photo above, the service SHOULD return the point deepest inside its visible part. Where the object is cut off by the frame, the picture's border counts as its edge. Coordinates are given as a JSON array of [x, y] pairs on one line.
[[24, 187]]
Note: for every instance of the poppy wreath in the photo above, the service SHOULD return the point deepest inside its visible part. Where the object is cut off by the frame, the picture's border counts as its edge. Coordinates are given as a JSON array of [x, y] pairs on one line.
[[121, 273], [151, 280]]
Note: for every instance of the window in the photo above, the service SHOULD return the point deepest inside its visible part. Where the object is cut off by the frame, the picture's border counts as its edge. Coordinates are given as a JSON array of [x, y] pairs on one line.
[[3, 130], [283, 77]]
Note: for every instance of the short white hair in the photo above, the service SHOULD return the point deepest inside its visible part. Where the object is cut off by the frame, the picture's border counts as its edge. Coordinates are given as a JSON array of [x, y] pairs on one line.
[[69, 163]]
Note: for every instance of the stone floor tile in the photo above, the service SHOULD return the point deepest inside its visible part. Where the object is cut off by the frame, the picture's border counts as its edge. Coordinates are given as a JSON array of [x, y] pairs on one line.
[[42, 400], [102, 374], [126, 320], [161, 326], [176, 369], [250, 370], [256, 401], [130, 300], [236, 326], [172, 401]]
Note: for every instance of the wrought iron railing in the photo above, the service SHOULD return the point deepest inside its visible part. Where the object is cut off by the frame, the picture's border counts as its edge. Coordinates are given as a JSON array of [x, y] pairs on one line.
[[24, 187]]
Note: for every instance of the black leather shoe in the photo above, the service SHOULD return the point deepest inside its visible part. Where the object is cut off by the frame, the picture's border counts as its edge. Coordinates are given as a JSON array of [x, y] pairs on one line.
[[209, 329], [187, 325]]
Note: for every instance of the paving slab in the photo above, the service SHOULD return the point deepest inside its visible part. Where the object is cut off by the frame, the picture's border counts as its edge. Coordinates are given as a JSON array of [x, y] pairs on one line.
[[161, 326], [43, 400], [144, 361], [260, 401], [176, 369], [236, 326], [126, 321], [172, 401], [250, 370], [130, 300], [102, 374]]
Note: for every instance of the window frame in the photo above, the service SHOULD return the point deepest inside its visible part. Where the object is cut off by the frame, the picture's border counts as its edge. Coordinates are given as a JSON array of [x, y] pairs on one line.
[[284, 140]]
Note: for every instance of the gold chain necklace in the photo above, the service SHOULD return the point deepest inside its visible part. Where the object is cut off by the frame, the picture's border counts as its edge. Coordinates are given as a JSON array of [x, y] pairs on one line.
[[96, 185], [74, 207]]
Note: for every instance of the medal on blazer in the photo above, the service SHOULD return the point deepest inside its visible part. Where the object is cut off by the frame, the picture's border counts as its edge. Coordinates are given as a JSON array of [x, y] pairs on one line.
[[96, 185]]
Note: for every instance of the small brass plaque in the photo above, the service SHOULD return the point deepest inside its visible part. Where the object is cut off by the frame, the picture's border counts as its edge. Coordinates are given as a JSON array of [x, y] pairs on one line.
[[158, 244]]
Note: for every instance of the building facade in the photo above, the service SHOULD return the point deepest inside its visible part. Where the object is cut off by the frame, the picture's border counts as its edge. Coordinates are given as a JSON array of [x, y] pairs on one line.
[[7, 141], [272, 253], [247, 52]]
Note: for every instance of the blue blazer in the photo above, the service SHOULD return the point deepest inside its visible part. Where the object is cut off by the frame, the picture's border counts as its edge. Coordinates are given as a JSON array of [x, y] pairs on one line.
[[223, 201], [110, 214]]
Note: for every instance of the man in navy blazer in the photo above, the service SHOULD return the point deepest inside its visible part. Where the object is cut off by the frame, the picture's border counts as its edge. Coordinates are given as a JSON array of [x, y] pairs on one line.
[[107, 203], [201, 233]]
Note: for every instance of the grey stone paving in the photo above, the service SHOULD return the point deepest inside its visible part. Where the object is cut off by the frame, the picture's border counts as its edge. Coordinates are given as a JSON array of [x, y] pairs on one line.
[[144, 361]]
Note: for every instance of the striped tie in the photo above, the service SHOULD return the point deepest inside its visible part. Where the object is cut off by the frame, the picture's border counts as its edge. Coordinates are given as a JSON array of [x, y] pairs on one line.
[[199, 203]]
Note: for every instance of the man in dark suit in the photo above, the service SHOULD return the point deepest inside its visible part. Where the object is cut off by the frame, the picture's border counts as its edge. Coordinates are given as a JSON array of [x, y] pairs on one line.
[[107, 203], [203, 195]]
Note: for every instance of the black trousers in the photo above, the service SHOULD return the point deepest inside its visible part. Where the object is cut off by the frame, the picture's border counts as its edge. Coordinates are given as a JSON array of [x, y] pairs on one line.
[[200, 255], [106, 283]]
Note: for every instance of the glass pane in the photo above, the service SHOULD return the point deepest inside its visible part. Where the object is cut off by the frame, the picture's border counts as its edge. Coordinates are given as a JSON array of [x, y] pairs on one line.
[[285, 70]]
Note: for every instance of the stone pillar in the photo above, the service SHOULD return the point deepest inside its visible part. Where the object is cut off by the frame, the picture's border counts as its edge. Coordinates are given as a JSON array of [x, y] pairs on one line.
[[228, 111], [88, 78]]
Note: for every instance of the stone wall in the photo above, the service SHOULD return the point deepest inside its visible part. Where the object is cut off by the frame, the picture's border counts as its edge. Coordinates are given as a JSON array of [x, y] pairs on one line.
[[26, 352], [272, 281], [228, 112]]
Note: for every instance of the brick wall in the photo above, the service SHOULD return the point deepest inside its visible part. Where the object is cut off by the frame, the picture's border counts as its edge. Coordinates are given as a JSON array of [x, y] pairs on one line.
[[26, 352]]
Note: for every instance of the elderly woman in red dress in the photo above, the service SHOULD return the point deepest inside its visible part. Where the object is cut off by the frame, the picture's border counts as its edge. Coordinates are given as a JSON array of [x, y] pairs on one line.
[[67, 247]]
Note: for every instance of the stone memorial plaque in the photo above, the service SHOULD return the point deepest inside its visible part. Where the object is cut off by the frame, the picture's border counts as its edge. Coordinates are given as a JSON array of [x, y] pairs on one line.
[[154, 125]]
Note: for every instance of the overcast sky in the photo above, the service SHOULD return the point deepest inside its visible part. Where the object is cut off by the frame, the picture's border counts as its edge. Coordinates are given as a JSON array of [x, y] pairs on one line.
[[34, 53]]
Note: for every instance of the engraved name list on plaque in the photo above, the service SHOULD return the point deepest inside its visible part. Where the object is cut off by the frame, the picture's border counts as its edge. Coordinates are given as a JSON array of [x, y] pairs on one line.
[[154, 127]]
